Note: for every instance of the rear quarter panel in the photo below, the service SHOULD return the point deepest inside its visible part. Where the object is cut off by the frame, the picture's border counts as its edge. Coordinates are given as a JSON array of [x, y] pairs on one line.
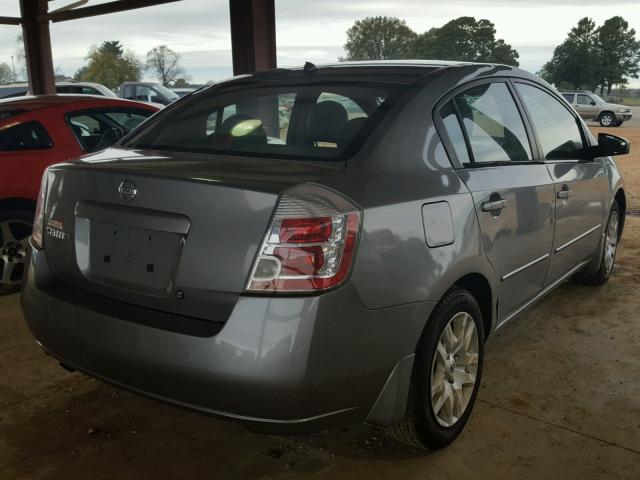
[[403, 167]]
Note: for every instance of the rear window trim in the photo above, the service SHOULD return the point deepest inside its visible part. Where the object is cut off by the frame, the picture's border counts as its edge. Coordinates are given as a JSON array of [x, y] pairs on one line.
[[395, 89]]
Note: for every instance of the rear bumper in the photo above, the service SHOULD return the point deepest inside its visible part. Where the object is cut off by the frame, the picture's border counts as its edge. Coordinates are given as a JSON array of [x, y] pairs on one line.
[[281, 365]]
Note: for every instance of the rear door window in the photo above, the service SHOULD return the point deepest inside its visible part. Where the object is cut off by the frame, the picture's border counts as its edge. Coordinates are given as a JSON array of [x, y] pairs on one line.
[[493, 124], [25, 136], [569, 97], [556, 127]]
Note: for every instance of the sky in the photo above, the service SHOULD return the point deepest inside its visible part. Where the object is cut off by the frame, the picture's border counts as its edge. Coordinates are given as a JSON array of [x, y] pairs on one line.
[[308, 30]]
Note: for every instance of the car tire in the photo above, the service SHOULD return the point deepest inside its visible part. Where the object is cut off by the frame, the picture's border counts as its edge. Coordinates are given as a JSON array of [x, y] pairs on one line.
[[607, 119], [438, 376], [609, 250], [15, 229]]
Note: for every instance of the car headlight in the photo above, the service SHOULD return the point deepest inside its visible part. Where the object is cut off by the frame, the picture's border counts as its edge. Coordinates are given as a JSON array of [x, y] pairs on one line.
[[622, 110]]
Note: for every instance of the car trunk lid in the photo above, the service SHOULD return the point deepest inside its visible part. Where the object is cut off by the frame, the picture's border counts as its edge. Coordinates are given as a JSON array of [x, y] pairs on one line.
[[176, 233]]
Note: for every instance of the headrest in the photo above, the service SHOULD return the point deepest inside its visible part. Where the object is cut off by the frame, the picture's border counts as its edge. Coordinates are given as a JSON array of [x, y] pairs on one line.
[[258, 136], [327, 122]]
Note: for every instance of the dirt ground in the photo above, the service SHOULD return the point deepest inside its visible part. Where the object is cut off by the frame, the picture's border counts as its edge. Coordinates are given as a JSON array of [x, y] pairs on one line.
[[560, 399]]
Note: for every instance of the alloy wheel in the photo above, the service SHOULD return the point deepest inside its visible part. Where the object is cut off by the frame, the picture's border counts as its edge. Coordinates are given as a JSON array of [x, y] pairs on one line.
[[454, 369], [14, 237], [611, 241], [606, 120]]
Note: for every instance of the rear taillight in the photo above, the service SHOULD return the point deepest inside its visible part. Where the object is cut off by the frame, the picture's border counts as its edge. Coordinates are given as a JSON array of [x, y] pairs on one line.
[[310, 243], [38, 220]]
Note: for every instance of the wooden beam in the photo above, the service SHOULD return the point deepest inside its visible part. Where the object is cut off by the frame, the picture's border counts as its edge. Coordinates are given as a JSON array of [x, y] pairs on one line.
[[10, 20], [253, 35], [37, 46], [102, 9]]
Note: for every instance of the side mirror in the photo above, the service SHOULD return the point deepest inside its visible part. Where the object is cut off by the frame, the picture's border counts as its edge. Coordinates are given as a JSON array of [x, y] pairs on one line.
[[611, 145], [592, 102]]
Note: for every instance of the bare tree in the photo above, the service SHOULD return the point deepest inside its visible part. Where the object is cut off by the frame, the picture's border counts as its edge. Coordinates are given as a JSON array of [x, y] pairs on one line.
[[165, 64]]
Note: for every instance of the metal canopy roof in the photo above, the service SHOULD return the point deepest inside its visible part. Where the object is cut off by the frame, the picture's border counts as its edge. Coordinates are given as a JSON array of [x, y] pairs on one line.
[[253, 35]]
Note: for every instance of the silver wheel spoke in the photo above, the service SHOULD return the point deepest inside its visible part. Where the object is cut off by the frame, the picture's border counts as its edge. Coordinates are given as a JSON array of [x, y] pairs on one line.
[[449, 338], [441, 354], [469, 331], [442, 398], [468, 359]]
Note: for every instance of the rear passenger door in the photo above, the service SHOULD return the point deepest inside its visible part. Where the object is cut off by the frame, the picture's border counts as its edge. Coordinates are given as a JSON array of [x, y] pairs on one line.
[[580, 185], [513, 194]]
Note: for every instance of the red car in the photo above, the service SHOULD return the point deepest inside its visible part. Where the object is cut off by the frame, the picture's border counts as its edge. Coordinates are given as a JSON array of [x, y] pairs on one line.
[[36, 132]]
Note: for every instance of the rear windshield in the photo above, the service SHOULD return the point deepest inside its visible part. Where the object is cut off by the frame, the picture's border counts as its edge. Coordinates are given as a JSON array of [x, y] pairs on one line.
[[299, 121]]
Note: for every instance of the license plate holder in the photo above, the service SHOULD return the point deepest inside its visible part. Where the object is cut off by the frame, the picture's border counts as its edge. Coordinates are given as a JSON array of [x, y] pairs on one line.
[[132, 258]]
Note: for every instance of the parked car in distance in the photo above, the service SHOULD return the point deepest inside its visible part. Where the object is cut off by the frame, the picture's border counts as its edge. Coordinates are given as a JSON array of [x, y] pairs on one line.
[[10, 90], [148, 92], [36, 132], [181, 92], [591, 107], [305, 247]]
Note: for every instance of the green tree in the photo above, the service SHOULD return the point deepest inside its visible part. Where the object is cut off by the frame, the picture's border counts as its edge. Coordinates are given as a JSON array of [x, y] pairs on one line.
[[6, 73], [165, 64], [111, 65], [379, 38], [465, 39], [111, 47], [575, 61], [619, 53]]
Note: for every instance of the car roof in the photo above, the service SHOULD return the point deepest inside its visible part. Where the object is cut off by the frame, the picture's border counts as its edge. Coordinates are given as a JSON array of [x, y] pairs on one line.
[[140, 83], [386, 71], [31, 103]]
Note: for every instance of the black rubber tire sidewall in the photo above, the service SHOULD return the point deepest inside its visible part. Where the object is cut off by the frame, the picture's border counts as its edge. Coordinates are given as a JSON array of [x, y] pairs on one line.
[[431, 433]]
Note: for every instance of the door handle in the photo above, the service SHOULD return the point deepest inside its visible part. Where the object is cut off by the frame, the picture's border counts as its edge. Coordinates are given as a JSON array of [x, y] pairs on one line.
[[494, 206], [565, 193]]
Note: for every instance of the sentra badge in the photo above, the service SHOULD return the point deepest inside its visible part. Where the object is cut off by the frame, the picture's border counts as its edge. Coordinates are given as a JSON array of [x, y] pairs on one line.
[[55, 229]]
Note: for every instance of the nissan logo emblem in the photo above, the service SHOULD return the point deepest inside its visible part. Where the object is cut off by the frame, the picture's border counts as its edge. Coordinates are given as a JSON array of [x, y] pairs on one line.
[[127, 190]]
